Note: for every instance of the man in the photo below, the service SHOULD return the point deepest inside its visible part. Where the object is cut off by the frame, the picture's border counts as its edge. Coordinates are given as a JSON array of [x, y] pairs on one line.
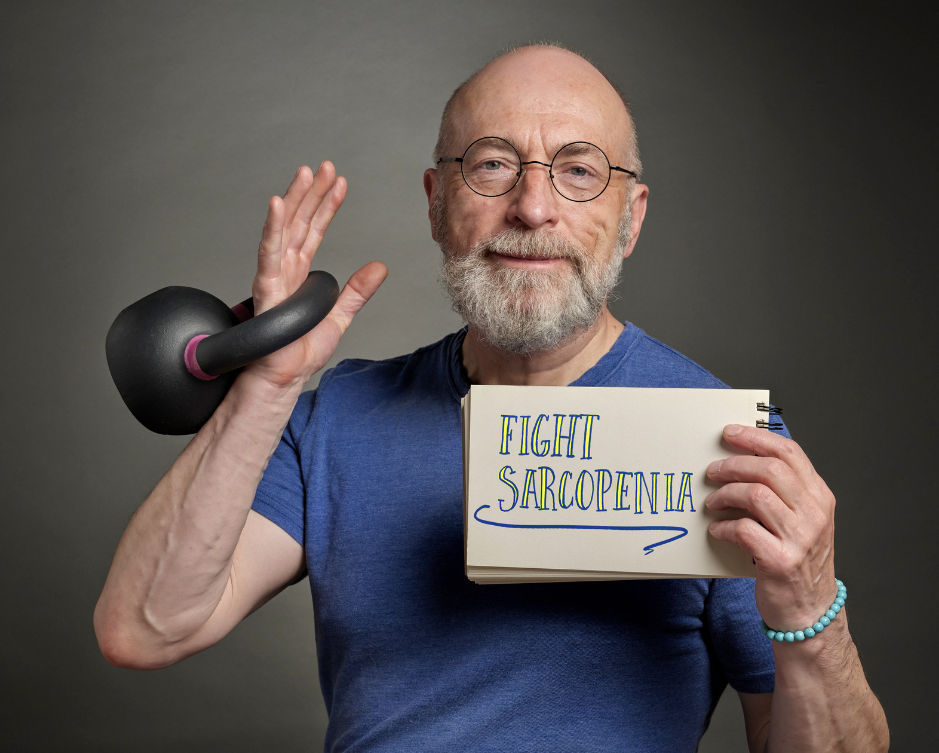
[[363, 491]]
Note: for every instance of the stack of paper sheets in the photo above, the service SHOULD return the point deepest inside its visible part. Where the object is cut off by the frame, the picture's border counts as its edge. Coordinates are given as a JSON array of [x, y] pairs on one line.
[[597, 483]]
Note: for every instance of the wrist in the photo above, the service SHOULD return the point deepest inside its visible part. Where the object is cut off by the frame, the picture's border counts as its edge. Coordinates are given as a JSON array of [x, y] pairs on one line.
[[782, 634], [795, 603], [255, 408], [253, 388], [806, 614]]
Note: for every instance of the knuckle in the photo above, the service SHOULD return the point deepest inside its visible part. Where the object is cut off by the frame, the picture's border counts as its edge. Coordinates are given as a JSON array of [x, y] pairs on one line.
[[726, 530], [817, 517], [790, 560], [787, 447], [745, 529], [757, 495], [776, 467], [748, 532], [759, 440]]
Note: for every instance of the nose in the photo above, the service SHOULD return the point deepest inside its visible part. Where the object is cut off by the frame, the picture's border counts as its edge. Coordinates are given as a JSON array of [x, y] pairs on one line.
[[534, 200]]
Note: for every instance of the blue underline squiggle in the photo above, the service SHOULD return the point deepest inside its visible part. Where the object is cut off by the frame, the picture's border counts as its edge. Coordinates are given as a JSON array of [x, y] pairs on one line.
[[647, 549]]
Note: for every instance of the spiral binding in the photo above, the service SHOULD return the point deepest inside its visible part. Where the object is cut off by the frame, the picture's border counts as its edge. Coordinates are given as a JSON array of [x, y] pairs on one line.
[[773, 411]]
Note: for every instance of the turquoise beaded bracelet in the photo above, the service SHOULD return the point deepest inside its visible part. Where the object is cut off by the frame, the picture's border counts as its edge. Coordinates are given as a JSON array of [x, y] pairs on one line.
[[810, 632]]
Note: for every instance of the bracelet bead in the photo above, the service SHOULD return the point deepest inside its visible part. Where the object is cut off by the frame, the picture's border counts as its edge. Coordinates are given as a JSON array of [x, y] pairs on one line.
[[824, 621]]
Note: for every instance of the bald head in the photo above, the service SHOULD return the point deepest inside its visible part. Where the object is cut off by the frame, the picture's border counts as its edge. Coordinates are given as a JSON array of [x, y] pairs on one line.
[[543, 83]]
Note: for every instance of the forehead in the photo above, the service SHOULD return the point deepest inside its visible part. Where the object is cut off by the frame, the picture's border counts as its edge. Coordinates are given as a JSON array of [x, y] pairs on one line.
[[542, 99]]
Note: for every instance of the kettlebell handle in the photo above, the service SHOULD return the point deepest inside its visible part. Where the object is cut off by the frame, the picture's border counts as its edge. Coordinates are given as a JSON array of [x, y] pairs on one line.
[[208, 356], [174, 354]]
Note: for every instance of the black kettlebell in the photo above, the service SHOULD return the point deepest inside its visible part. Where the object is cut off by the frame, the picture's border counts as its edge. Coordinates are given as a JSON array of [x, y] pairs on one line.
[[174, 354]]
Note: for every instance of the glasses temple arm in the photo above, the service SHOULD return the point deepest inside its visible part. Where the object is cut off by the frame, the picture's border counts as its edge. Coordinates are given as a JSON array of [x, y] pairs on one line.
[[623, 170]]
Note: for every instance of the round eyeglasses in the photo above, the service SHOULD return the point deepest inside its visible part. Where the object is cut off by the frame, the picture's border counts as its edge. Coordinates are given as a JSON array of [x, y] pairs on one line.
[[579, 171]]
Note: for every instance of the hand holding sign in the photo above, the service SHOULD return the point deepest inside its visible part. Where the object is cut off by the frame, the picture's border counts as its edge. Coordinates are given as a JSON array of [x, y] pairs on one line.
[[791, 533]]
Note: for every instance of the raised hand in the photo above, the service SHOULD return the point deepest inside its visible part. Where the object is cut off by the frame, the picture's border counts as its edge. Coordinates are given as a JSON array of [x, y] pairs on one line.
[[293, 231], [790, 533]]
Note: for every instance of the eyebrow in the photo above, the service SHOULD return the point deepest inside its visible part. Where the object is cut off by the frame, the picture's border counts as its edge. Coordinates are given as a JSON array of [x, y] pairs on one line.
[[578, 148]]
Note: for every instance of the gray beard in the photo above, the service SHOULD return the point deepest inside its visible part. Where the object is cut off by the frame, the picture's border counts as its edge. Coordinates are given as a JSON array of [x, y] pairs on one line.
[[527, 311]]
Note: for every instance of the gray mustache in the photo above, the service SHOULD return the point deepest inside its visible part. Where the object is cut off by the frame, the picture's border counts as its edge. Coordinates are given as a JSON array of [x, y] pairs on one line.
[[526, 245]]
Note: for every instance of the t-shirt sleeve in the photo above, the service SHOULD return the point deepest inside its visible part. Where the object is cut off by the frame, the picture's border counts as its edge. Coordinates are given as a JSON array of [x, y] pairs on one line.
[[744, 654], [281, 496]]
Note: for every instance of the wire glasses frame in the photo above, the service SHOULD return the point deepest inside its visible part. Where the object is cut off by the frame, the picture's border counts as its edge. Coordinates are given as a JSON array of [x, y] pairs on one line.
[[495, 168]]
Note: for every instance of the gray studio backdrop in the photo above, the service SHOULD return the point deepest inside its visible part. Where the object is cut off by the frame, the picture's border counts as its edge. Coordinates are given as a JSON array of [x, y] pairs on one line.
[[792, 168]]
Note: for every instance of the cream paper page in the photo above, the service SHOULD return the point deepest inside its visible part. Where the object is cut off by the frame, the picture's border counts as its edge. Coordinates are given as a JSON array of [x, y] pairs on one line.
[[618, 489]]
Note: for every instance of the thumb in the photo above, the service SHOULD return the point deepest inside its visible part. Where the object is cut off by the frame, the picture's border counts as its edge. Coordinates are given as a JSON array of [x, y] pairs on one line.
[[361, 286]]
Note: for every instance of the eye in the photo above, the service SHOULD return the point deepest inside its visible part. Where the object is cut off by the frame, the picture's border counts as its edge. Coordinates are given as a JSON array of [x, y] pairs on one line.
[[492, 165], [577, 170]]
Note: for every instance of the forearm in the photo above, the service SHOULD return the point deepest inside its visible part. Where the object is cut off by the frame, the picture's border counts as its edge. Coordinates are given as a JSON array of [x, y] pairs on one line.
[[822, 701], [174, 561]]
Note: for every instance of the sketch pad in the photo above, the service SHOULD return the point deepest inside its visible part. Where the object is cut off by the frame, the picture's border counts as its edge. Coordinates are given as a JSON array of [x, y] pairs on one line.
[[597, 483]]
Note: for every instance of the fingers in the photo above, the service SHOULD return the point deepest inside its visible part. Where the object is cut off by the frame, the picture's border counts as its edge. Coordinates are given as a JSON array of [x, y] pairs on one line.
[[770, 472], [361, 286], [296, 192], [321, 186], [270, 249], [321, 218], [750, 536], [769, 445], [781, 465], [757, 500], [310, 198]]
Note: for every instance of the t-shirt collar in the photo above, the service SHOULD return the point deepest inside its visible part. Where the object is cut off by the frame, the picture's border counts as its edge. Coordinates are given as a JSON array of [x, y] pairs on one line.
[[595, 376]]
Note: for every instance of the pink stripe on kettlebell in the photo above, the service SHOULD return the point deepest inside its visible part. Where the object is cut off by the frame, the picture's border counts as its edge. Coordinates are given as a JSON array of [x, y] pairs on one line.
[[191, 363], [241, 311]]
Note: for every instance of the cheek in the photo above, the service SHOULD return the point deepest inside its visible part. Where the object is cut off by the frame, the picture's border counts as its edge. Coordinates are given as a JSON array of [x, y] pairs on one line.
[[473, 219], [595, 232]]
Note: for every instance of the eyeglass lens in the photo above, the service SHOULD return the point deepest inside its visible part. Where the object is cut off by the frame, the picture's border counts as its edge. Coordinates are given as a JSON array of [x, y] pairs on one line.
[[580, 171]]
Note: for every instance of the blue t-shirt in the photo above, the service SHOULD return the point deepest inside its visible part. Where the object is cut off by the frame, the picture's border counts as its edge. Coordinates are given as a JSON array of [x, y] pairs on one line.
[[413, 656]]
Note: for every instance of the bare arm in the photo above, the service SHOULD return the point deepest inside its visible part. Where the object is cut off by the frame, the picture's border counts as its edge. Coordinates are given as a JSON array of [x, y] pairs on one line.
[[821, 701], [194, 559], [804, 713]]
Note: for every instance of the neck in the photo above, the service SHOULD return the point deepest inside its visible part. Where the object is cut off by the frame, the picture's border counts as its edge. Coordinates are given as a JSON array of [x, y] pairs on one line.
[[560, 366]]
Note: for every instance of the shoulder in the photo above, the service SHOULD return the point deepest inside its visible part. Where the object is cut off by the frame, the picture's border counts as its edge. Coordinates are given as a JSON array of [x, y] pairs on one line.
[[652, 363], [430, 363], [359, 384]]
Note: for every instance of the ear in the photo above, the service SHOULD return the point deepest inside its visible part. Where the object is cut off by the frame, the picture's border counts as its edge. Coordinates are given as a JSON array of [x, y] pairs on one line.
[[431, 186], [638, 199]]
